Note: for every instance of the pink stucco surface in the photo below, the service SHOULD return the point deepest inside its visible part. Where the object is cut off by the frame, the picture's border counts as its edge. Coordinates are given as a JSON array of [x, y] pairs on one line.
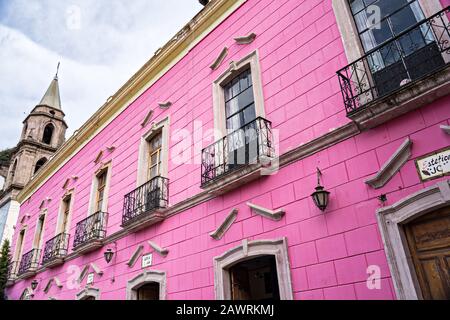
[[300, 50]]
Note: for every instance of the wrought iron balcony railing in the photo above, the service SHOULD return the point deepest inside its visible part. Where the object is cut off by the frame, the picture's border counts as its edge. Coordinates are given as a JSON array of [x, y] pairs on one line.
[[56, 248], [415, 53], [243, 147], [144, 200], [29, 262], [90, 229], [12, 271]]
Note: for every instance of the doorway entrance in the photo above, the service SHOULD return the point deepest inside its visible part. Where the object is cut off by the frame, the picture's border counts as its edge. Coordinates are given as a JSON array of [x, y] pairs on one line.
[[428, 240], [149, 291], [255, 279]]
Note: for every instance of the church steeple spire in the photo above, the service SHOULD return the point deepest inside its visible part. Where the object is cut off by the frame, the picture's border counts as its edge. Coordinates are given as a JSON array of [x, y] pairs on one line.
[[51, 97]]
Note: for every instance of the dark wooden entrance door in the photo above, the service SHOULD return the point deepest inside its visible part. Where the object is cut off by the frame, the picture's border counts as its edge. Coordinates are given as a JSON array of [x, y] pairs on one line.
[[429, 243], [255, 279], [149, 291]]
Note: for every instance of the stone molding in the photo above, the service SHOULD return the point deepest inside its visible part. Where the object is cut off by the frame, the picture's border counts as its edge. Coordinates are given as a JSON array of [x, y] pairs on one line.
[[225, 225], [391, 166], [267, 213], [88, 292], [148, 276], [161, 251], [219, 59], [248, 250], [445, 128], [246, 40], [391, 220]]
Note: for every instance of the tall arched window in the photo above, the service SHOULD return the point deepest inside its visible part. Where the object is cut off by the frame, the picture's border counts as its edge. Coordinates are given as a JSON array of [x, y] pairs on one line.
[[39, 164], [48, 133]]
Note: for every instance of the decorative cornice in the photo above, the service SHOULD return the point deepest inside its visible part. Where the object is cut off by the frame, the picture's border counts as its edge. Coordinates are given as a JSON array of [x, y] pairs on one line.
[[219, 59], [96, 269], [147, 119], [99, 157], [135, 256], [445, 128], [392, 166], [267, 213], [247, 39], [165, 105], [161, 251], [195, 31], [226, 224]]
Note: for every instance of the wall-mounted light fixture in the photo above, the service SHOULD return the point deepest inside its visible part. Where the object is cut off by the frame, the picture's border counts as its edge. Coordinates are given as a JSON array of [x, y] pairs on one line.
[[108, 255], [34, 284], [320, 196]]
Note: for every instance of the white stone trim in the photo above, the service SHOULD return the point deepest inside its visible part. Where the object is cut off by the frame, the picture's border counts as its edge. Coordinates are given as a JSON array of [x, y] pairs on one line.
[[164, 127], [88, 292], [219, 59], [445, 128], [225, 225], [349, 32], [252, 60], [165, 105], [107, 166], [247, 39], [391, 220], [391, 166], [135, 256], [38, 239], [248, 250], [145, 277], [59, 230], [96, 269], [161, 251], [267, 213], [147, 118]]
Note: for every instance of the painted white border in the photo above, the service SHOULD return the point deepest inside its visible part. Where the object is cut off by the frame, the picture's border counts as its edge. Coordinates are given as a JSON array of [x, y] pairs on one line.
[[248, 250], [391, 220], [251, 60], [144, 278]]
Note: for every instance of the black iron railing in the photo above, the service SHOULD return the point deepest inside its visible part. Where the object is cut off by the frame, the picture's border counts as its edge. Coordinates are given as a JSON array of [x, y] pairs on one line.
[[90, 229], [29, 261], [144, 200], [56, 248], [243, 147], [12, 271], [413, 54]]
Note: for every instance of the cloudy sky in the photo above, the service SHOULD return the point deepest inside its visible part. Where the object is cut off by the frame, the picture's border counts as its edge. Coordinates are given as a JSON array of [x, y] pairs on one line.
[[100, 44]]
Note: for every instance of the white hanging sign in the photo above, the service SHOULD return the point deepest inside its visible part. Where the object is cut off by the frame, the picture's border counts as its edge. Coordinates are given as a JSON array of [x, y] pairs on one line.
[[147, 260]]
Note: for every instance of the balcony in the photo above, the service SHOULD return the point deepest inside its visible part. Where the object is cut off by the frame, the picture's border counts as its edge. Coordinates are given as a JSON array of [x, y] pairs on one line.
[[55, 250], [146, 205], [29, 264], [12, 273], [402, 74], [90, 232], [240, 157]]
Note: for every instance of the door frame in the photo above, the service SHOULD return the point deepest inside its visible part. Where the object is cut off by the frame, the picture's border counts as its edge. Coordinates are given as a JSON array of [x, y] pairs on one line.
[[153, 276], [391, 220], [248, 250]]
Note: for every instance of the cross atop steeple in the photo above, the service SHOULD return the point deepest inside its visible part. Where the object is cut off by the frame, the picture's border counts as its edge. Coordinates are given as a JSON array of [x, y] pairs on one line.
[[52, 98]]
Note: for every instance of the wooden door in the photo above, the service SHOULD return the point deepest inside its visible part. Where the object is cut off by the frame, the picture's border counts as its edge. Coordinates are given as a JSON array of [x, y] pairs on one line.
[[429, 243], [240, 288], [149, 291]]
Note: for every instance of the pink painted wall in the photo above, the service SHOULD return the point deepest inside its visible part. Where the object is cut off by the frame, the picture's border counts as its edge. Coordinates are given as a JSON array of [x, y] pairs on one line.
[[300, 50]]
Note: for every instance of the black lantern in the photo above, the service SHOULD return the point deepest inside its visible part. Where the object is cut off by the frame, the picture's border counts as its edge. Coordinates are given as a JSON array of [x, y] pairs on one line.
[[34, 284], [320, 196], [109, 255]]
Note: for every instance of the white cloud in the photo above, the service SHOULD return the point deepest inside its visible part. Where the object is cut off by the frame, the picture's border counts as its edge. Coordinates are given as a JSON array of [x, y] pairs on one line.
[[98, 52]]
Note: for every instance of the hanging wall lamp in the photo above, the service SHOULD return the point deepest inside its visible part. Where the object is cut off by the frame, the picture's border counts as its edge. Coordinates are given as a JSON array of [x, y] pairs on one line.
[[320, 196]]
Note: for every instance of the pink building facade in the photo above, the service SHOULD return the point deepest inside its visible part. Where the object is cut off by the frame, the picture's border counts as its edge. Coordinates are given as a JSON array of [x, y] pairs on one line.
[[201, 225]]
